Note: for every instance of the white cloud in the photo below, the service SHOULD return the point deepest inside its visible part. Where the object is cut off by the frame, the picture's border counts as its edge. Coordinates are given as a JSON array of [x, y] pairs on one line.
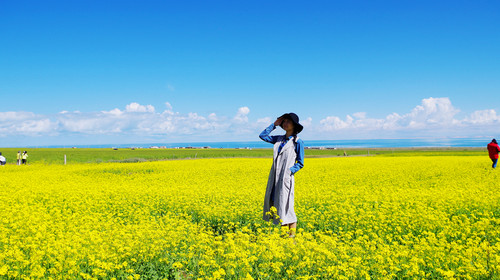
[[212, 117], [264, 121], [169, 106], [432, 111], [433, 117], [359, 115], [391, 121], [16, 116], [90, 123], [37, 126], [26, 123], [483, 117], [431, 114], [307, 122], [335, 123], [136, 107], [242, 115], [115, 112]]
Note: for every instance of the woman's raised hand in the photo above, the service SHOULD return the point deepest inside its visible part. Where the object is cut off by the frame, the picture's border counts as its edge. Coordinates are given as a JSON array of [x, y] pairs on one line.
[[278, 121]]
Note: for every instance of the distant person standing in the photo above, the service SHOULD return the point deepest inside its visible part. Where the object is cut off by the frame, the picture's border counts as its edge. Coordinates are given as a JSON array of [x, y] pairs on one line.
[[19, 157], [2, 159], [493, 150], [24, 157]]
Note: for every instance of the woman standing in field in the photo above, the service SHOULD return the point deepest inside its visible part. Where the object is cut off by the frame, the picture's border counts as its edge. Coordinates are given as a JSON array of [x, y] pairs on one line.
[[288, 158]]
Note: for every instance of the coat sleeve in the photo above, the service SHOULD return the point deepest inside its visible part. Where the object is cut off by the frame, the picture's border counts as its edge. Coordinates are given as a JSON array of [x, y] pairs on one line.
[[299, 162], [264, 135]]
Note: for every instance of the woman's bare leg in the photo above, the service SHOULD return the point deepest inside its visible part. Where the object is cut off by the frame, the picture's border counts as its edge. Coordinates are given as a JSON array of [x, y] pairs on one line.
[[292, 228]]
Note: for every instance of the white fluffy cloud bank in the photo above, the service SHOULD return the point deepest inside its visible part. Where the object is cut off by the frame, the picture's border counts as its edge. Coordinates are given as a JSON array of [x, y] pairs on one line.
[[434, 117], [135, 120]]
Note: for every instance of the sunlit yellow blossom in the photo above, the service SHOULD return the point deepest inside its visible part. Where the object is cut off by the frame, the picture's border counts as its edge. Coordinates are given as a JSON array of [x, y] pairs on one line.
[[358, 218]]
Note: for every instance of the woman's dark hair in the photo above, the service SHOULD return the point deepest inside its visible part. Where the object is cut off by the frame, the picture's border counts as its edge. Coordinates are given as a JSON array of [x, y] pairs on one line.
[[494, 141]]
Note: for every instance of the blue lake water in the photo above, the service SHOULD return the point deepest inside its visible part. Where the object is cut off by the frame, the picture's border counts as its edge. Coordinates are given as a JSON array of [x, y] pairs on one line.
[[373, 143]]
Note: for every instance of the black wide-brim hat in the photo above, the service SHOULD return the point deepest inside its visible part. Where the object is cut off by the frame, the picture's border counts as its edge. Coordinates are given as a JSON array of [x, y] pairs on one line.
[[295, 119]]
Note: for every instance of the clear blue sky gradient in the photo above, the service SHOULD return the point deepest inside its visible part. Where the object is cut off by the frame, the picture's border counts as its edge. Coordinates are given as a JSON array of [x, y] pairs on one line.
[[317, 58]]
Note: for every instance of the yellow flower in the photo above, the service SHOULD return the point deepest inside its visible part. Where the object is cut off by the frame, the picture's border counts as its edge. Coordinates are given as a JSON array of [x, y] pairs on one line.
[[358, 218]]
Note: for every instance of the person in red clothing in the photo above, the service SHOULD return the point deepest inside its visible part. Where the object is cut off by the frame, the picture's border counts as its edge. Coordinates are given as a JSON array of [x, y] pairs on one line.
[[493, 150]]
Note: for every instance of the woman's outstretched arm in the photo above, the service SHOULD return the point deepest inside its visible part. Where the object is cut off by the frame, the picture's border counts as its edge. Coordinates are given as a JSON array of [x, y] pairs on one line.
[[264, 135]]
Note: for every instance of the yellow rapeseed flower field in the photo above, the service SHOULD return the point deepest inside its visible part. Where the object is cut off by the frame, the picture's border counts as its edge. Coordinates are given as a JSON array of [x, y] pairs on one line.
[[359, 218]]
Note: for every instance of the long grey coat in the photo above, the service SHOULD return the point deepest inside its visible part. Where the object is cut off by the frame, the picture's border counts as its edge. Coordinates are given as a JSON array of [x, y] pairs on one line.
[[282, 180]]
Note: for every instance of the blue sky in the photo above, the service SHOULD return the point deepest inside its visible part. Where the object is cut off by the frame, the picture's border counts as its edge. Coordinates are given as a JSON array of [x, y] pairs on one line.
[[96, 72]]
